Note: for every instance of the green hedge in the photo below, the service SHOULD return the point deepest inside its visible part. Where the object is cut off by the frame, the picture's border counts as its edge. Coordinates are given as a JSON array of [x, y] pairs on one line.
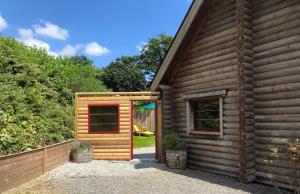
[[36, 95]]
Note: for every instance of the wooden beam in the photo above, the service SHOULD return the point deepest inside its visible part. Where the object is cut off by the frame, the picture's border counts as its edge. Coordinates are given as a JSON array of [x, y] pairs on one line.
[[241, 89], [164, 87], [159, 132], [76, 116], [145, 93], [204, 94]]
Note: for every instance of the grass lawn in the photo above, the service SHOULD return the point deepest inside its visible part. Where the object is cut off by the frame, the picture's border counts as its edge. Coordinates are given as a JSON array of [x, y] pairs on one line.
[[143, 141]]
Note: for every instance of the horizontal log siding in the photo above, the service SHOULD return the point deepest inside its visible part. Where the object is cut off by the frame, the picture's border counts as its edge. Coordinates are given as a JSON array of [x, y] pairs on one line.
[[166, 110], [19, 168], [106, 146], [276, 25], [211, 64]]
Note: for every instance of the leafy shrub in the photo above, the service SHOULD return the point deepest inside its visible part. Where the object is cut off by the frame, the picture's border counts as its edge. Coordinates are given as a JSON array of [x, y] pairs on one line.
[[171, 141], [82, 145], [289, 151], [36, 95]]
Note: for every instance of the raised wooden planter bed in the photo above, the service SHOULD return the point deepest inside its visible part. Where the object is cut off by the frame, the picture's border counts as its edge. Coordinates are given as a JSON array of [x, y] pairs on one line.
[[19, 168]]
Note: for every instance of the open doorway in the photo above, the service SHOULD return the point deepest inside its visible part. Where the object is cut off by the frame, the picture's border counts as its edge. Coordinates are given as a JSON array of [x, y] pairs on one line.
[[144, 115]]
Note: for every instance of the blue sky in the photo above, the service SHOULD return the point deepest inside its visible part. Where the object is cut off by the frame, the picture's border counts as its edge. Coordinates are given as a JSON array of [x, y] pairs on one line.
[[99, 29]]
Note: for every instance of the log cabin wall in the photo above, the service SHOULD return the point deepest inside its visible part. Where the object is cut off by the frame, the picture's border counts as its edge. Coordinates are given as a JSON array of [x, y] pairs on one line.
[[166, 112], [211, 64], [106, 146], [276, 46], [251, 48], [246, 96], [166, 108]]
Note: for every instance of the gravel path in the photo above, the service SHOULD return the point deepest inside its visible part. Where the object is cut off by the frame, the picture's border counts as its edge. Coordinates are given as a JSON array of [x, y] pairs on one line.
[[141, 175]]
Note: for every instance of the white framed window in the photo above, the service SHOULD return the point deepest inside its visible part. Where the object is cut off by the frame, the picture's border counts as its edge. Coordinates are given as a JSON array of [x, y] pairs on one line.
[[205, 113]]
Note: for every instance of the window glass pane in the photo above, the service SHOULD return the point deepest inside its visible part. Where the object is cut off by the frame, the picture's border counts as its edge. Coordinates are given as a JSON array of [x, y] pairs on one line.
[[207, 115], [103, 118], [103, 109]]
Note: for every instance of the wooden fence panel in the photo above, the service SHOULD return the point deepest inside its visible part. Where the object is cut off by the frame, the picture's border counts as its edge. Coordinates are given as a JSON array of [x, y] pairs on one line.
[[19, 168]]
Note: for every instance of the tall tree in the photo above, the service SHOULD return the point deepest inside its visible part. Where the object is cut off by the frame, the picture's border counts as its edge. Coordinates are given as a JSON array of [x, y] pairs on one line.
[[123, 74], [81, 60], [153, 53], [85, 77]]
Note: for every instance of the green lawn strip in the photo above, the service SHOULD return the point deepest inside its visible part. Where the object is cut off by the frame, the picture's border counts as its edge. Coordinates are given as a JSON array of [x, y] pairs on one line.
[[143, 141]]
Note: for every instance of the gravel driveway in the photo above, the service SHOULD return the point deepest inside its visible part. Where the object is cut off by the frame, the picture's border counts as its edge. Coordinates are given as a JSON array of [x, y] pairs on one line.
[[142, 175]]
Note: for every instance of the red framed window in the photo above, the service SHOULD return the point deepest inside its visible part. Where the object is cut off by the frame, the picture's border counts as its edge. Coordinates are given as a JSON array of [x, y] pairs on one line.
[[206, 114], [103, 118]]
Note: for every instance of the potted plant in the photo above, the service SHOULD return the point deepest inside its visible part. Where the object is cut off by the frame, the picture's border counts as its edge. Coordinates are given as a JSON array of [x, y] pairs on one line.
[[176, 154], [82, 152]]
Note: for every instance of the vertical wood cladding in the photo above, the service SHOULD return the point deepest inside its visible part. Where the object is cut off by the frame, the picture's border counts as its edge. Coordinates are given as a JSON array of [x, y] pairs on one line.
[[276, 25], [211, 64], [246, 106]]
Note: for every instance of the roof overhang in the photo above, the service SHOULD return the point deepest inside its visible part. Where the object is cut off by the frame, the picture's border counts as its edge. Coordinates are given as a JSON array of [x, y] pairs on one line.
[[184, 36]]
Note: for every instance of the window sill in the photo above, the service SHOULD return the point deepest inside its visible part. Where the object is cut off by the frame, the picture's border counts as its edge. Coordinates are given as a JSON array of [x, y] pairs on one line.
[[104, 132]]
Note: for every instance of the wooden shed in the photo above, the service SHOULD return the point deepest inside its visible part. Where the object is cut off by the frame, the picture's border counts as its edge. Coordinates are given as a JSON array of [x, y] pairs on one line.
[[230, 85], [105, 120]]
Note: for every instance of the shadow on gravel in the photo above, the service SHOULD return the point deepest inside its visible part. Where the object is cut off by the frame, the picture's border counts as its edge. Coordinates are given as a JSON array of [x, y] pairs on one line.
[[147, 160], [145, 156]]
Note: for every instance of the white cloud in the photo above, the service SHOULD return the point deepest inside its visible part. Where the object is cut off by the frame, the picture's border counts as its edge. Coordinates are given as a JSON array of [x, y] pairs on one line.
[[25, 32], [28, 37], [29, 41], [140, 46], [3, 23], [35, 42], [70, 50], [95, 49], [52, 31], [52, 53]]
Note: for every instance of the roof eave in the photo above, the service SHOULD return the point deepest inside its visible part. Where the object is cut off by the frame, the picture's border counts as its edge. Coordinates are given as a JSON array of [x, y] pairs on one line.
[[181, 33]]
